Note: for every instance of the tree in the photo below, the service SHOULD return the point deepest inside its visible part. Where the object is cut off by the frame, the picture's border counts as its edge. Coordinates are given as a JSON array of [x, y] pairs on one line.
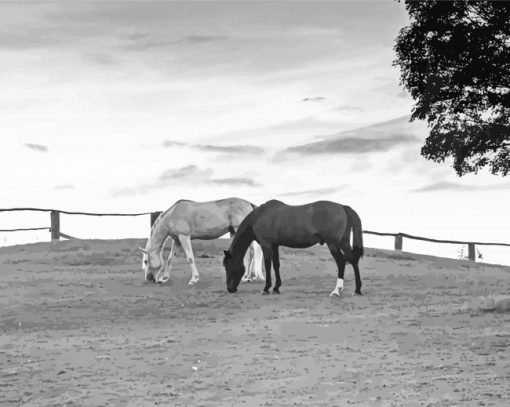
[[454, 59]]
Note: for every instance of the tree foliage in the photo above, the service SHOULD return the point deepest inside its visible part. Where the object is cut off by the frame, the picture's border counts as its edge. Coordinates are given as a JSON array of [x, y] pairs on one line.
[[454, 59]]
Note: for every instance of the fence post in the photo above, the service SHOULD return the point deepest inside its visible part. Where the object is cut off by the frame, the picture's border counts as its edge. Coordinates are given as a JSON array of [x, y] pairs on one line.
[[471, 252], [55, 226], [154, 216], [398, 242]]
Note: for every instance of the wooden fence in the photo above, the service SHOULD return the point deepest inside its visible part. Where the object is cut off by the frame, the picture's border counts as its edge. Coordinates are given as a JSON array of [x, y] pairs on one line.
[[56, 234], [399, 238], [54, 228]]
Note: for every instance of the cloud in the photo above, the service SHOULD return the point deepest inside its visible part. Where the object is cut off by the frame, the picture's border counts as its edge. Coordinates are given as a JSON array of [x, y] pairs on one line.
[[352, 145], [63, 187], [255, 38], [453, 186], [26, 39], [236, 181], [346, 108], [145, 45], [360, 166], [37, 147], [441, 186], [314, 99], [140, 44], [190, 174], [101, 59], [240, 149], [267, 135], [137, 36], [313, 192], [378, 137], [124, 192], [199, 39], [231, 149], [171, 143]]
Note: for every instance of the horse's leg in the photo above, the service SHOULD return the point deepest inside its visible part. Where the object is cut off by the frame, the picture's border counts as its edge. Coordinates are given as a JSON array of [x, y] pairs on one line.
[[354, 262], [186, 245], [161, 275], [353, 258], [276, 266], [161, 259], [168, 267], [247, 273], [340, 262], [345, 245], [257, 261], [268, 257], [248, 260]]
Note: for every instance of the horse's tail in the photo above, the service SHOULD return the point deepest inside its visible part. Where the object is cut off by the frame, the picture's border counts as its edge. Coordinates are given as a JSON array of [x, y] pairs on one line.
[[357, 232]]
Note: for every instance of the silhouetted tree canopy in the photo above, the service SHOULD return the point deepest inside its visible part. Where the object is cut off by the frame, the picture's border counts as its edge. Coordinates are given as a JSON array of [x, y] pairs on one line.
[[455, 61]]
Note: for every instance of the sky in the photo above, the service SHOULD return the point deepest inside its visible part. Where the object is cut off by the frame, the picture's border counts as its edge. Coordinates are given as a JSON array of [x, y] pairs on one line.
[[129, 106]]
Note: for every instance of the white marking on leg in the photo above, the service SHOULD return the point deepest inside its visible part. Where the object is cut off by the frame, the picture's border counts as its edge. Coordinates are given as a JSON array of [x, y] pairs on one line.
[[339, 287], [186, 245]]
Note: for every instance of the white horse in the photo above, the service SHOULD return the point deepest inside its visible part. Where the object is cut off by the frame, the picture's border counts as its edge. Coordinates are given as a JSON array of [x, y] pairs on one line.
[[187, 220]]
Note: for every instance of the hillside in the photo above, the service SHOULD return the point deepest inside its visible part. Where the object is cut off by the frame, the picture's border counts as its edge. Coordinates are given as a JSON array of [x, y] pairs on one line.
[[81, 327]]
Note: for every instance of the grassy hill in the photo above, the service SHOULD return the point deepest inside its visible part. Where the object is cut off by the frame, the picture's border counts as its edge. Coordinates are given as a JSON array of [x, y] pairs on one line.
[[80, 327]]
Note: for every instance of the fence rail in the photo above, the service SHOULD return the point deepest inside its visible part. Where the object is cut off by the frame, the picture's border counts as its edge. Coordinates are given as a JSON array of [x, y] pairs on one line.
[[73, 212], [428, 239], [24, 229], [56, 234], [399, 237], [54, 229]]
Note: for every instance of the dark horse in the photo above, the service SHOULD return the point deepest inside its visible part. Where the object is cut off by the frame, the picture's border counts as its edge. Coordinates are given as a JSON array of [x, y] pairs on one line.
[[275, 224]]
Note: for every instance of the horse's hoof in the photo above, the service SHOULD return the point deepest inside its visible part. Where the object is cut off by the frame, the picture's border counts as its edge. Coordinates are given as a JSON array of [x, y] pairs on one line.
[[193, 282], [276, 291], [335, 292], [357, 293], [264, 292]]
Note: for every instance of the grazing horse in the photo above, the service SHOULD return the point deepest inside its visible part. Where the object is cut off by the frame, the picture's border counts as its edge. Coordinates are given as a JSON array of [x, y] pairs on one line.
[[187, 220], [275, 224]]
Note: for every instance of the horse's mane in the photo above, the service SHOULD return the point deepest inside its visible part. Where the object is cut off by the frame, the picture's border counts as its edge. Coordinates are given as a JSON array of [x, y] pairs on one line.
[[272, 202], [250, 219], [181, 200]]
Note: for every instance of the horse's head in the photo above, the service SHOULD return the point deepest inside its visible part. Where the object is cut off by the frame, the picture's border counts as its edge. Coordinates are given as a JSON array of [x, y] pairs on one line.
[[151, 265], [235, 271]]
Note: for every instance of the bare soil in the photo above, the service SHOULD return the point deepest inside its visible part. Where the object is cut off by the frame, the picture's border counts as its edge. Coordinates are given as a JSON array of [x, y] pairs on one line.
[[79, 326]]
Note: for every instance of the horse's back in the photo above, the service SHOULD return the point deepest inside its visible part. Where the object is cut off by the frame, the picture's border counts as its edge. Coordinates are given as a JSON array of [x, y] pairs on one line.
[[321, 214], [209, 219], [328, 207], [300, 225], [184, 206]]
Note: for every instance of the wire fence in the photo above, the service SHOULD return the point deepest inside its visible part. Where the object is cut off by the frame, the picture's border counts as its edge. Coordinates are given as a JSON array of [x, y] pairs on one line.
[[56, 234]]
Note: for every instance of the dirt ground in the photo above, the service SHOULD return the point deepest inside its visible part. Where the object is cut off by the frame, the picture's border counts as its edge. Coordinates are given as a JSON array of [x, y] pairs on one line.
[[80, 327]]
